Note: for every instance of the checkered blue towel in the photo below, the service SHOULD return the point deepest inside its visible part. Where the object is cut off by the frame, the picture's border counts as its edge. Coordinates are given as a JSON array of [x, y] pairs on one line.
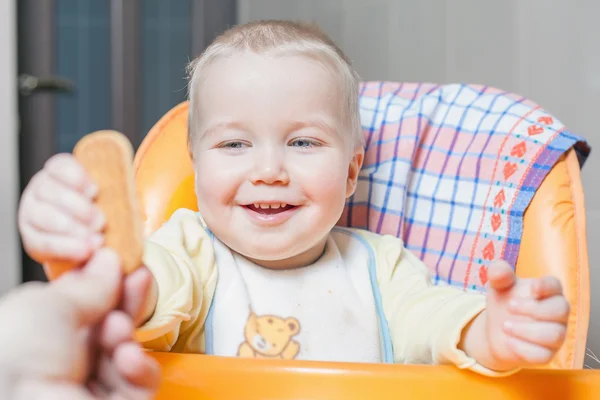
[[450, 169]]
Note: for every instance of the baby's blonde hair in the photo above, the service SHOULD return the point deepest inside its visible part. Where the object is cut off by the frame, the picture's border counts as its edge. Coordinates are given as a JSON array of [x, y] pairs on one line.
[[281, 38]]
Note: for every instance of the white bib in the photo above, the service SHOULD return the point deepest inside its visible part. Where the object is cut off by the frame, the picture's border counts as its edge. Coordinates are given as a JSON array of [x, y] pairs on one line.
[[328, 311]]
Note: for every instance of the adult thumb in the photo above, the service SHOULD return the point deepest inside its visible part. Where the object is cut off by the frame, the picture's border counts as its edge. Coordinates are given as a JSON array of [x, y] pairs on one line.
[[93, 290]]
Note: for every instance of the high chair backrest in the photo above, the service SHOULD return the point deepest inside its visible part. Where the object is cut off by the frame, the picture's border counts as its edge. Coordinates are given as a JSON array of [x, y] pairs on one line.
[[509, 169]]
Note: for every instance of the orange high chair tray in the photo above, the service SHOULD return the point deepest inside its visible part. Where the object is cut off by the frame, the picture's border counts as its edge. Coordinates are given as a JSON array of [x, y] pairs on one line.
[[208, 377], [553, 242]]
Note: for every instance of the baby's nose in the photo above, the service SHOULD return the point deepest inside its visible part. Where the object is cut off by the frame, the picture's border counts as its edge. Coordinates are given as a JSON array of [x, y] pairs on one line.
[[270, 169]]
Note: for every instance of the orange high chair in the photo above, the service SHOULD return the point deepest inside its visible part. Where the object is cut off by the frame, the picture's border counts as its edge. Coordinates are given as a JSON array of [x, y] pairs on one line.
[[553, 242]]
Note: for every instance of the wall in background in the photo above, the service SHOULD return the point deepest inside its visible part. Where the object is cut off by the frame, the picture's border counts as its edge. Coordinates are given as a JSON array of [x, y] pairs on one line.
[[9, 177]]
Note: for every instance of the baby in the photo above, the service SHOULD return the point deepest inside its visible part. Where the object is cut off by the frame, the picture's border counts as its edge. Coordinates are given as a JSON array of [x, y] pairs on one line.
[[262, 271]]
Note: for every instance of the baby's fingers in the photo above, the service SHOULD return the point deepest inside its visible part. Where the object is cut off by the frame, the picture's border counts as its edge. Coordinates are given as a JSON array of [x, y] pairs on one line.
[[70, 202], [546, 287], [46, 246], [553, 309], [49, 219], [547, 334], [529, 352], [66, 169], [501, 276]]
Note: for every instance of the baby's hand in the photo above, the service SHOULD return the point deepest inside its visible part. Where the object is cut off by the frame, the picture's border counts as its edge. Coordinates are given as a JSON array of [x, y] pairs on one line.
[[526, 318], [57, 218]]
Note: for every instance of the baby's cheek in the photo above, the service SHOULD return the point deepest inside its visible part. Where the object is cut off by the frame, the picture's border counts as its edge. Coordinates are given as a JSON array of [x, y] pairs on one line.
[[204, 183], [327, 195], [328, 185], [216, 183]]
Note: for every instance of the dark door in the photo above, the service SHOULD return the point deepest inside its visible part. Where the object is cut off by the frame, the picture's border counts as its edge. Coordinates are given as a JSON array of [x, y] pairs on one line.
[[86, 65]]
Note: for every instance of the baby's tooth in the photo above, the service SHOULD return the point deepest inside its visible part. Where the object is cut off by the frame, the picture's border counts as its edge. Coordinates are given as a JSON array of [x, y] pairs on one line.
[[264, 206], [255, 205], [282, 205], [275, 206]]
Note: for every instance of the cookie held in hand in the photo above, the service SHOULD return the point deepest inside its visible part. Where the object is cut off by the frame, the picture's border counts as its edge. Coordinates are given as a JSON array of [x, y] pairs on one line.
[[107, 156]]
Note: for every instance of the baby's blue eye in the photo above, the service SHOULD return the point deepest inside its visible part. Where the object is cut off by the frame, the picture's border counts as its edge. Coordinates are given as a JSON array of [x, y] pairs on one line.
[[303, 143], [233, 145]]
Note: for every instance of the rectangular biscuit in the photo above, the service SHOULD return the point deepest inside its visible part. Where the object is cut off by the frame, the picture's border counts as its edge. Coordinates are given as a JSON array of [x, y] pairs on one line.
[[107, 156]]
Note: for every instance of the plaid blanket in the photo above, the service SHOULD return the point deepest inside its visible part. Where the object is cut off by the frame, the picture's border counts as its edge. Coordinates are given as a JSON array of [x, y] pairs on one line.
[[450, 169]]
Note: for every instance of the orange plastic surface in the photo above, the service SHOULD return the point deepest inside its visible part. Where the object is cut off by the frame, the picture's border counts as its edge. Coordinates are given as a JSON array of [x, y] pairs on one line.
[[205, 377], [164, 170]]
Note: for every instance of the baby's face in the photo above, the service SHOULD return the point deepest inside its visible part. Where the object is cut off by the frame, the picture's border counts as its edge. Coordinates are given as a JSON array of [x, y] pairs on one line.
[[273, 164]]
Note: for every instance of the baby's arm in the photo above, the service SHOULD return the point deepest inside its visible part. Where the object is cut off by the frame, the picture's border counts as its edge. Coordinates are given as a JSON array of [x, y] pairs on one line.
[[60, 225], [442, 324], [425, 321], [180, 257]]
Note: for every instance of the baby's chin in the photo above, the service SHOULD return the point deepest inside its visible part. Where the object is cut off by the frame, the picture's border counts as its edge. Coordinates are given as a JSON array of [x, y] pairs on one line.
[[277, 256]]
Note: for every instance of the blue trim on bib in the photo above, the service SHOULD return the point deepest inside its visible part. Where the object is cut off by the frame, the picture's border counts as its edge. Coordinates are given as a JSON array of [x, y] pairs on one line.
[[384, 330], [208, 325]]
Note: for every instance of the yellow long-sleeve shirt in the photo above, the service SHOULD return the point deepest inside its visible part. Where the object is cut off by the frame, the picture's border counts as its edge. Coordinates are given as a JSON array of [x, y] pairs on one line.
[[425, 321]]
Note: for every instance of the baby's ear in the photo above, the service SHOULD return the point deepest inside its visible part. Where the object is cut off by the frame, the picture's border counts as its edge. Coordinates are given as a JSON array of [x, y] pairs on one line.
[[353, 171], [293, 325]]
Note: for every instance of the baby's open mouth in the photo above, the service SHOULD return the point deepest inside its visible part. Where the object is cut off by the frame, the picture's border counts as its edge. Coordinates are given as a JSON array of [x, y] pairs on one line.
[[270, 209]]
